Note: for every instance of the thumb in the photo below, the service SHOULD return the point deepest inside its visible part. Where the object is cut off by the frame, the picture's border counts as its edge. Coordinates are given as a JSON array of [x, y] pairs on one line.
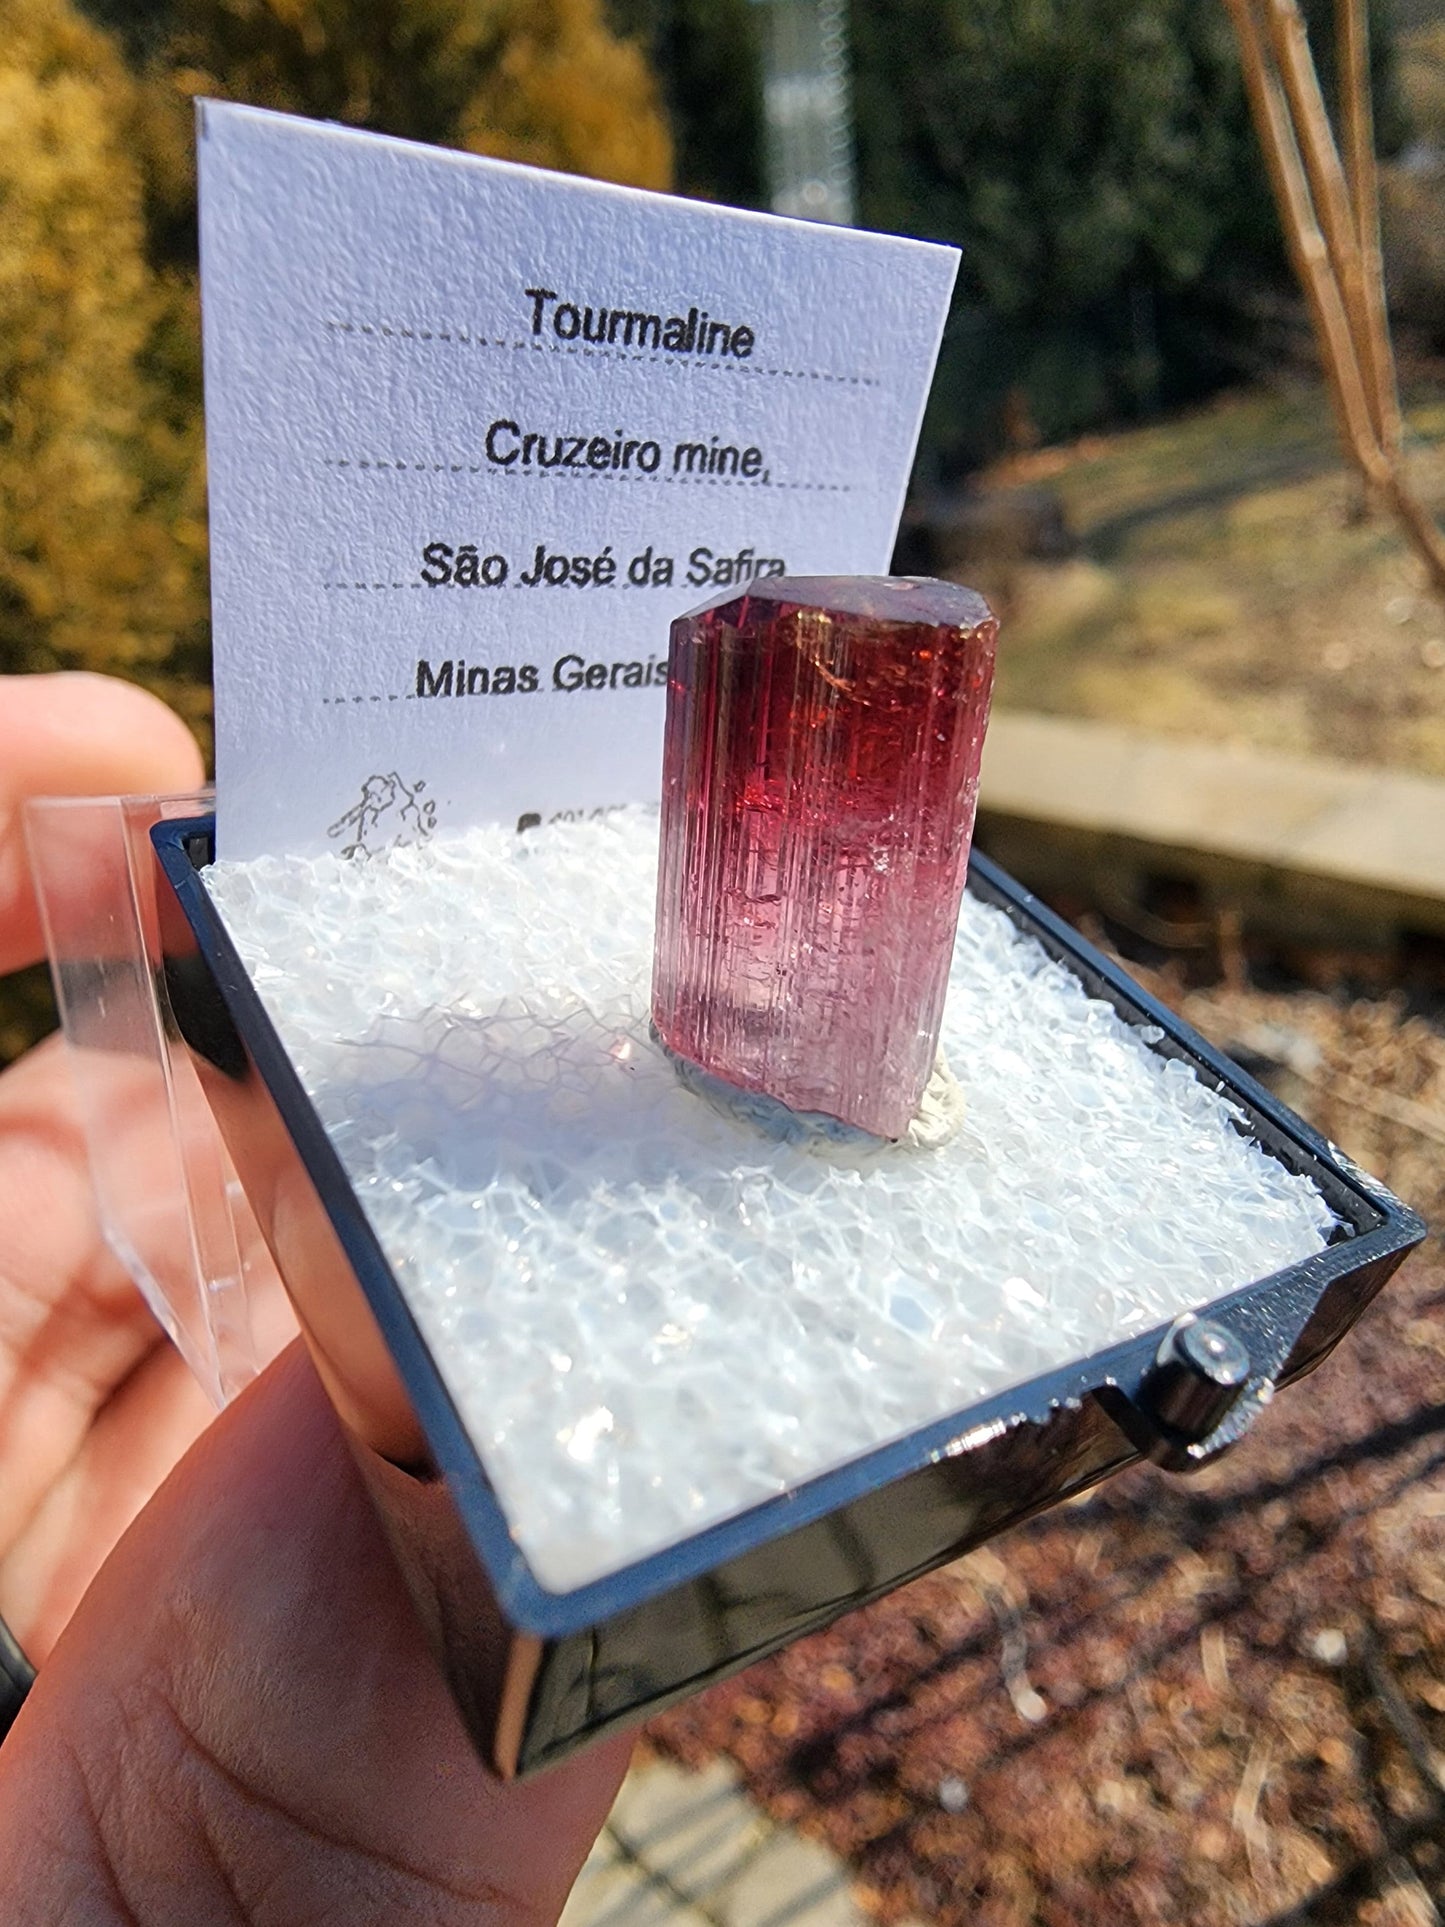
[[75, 735], [241, 1723]]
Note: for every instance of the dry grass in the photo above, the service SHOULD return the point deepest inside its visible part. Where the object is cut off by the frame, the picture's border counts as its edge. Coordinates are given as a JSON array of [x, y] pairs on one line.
[[1227, 587]]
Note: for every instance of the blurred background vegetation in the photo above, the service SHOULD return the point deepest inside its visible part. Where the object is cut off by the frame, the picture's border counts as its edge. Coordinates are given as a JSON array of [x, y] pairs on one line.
[[102, 484], [1093, 158], [1127, 444]]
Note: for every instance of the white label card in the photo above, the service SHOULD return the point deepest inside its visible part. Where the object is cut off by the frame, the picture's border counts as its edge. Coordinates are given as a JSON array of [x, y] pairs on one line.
[[478, 433]]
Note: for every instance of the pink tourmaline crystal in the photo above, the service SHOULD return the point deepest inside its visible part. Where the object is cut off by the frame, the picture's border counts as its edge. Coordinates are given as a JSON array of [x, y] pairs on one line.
[[819, 779]]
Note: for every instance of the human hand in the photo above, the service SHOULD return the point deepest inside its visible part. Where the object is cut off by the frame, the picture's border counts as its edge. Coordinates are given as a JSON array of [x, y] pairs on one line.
[[95, 1404], [241, 1725], [239, 1722]]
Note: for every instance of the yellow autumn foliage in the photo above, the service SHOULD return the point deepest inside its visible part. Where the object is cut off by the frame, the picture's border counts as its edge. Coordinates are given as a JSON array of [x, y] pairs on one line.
[[102, 538], [101, 541], [540, 81], [566, 93]]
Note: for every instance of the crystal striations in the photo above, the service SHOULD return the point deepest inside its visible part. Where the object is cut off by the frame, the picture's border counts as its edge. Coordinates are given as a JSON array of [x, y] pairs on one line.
[[820, 773]]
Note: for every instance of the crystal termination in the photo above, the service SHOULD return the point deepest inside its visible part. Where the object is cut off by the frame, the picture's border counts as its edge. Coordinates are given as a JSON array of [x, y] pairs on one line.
[[820, 774]]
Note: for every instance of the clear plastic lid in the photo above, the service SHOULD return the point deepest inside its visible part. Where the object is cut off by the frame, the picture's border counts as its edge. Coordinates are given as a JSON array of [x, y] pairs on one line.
[[170, 1204]]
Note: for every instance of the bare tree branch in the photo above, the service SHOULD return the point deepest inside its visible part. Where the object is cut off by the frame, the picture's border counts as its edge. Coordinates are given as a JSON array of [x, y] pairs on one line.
[[1281, 139], [1357, 123]]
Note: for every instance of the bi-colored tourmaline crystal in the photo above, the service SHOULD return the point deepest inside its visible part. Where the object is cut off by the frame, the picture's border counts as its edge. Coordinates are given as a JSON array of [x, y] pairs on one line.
[[819, 780]]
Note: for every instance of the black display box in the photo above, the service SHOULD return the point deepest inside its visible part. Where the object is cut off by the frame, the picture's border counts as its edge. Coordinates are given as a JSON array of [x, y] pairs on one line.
[[537, 1674]]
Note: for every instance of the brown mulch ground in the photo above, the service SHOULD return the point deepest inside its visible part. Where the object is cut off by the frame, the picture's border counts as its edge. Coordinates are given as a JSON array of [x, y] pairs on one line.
[[1207, 1701]]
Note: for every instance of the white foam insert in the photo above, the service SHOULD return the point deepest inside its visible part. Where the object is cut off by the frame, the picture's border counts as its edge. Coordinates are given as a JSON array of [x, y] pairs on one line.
[[650, 1314]]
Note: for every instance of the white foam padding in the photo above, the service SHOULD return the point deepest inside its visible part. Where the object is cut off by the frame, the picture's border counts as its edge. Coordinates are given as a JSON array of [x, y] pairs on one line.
[[652, 1315]]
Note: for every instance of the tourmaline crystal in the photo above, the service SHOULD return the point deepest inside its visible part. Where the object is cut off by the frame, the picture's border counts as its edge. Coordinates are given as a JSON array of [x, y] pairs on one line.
[[820, 773]]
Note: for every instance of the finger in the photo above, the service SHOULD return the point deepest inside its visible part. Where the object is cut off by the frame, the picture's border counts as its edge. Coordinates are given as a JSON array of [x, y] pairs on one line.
[[75, 735], [77, 1344], [114, 1467], [72, 1326], [241, 1722]]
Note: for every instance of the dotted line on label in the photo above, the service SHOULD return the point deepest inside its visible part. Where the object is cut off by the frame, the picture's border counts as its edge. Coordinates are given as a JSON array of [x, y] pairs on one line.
[[420, 468], [730, 481], [376, 585], [679, 361], [603, 474], [408, 698]]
